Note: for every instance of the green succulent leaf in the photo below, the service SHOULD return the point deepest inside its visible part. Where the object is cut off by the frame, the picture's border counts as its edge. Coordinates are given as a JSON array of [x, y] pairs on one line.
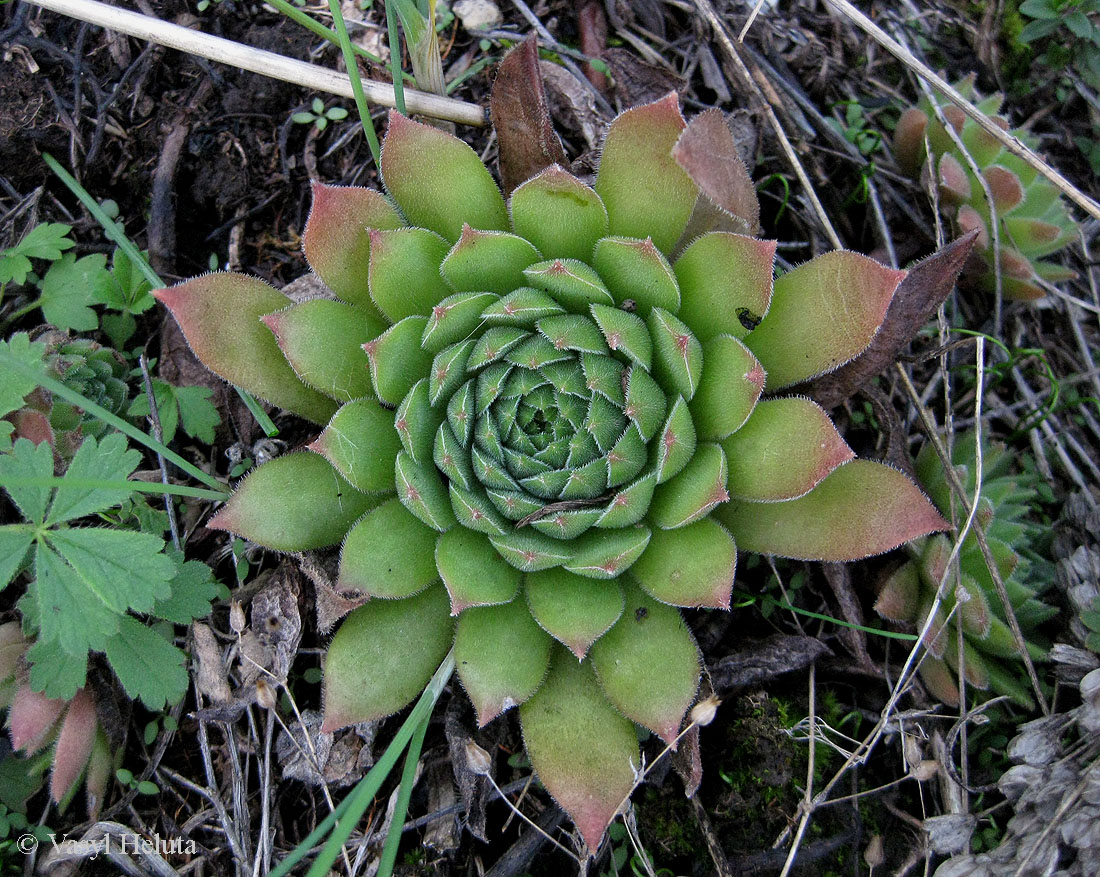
[[320, 338], [501, 655], [648, 664], [573, 609], [383, 655], [389, 554], [438, 181], [862, 508], [362, 444], [690, 566], [337, 240], [220, 315], [559, 214], [823, 314], [473, 570], [645, 191], [491, 261], [583, 750], [783, 451], [403, 275], [315, 505]]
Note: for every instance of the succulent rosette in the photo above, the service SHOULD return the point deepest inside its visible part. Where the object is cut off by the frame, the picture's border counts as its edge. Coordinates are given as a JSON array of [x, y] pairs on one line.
[[546, 429], [1032, 219], [990, 657]]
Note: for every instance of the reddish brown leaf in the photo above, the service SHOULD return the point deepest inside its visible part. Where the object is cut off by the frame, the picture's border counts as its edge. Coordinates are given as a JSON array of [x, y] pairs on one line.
[[522, 119], [920, 293], [592, 26], [707, 151], [74, 744]]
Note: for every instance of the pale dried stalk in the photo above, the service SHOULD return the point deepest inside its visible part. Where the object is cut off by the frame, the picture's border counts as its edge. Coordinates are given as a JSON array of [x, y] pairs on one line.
[[214, 48], [1009, 142]]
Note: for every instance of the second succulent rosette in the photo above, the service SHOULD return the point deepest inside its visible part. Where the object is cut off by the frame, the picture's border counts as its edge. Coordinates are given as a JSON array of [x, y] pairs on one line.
[[551, 422]]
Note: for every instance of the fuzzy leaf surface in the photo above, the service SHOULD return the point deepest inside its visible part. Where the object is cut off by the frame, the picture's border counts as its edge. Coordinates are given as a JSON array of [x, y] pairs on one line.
[[584, 751], [383, 655]]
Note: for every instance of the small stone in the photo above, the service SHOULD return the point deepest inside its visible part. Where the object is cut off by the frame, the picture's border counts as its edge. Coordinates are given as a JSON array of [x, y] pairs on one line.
[[478, 15]]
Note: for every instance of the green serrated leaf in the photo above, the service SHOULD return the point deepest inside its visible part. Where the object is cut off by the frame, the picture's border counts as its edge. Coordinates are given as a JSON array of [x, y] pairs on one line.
[[70, 287], [55, 672], [109, 460], [13, 549], [28, 460], [16, 384], [193, 589], [149, 667]]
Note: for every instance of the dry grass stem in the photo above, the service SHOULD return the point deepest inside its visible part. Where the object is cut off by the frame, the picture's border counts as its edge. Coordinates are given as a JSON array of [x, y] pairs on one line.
[[258, 61]]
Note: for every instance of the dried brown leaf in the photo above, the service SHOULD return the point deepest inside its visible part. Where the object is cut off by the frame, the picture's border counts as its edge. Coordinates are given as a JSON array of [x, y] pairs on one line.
[[521, 117], [765, 659]]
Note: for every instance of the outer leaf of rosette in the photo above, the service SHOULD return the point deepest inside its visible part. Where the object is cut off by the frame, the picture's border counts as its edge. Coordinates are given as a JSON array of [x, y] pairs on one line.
[[323, 340], [725, 284], [645, 191], [473, 571], [336, 240], [573, 284], [624, 332], [691, 566], [648, 664], [606, 554], [454, 319], [573, 609], [732, 382], [293, 503], [388, 554], [678, 355], [397, 360], [438, 181], [404, 276], [694, 492], [362, 444], [383, 655], [823, 314], [529, 550], [219, 315], [584, 751], [488, 261], [416, 422], [501, 656], [862, 508], [783, 451], [422, 492], [635, 270], [559, 214]]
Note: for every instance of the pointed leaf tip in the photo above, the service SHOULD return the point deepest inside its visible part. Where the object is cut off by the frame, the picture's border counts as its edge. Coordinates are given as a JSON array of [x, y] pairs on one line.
[[583, 750], [823, 314], [861, 509], [219, 315]]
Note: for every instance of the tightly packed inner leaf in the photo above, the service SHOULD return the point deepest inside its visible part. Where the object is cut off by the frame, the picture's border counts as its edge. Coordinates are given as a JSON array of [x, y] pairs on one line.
[[564, 396]]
